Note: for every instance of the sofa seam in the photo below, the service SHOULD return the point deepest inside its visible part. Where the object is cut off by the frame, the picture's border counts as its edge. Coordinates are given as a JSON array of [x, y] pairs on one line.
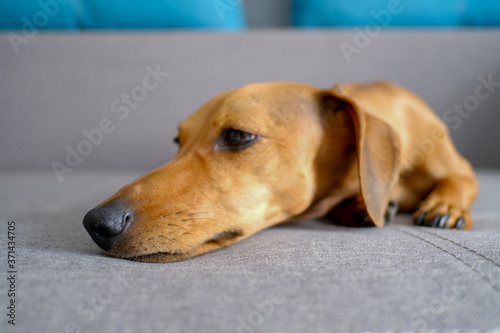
[[464, 247], [496, 288]]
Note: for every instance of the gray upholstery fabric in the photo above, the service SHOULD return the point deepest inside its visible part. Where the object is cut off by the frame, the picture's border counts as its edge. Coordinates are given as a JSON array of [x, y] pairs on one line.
[[304, 277]]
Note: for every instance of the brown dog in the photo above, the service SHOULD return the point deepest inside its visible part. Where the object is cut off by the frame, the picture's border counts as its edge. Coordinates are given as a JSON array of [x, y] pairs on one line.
[[274, 152]]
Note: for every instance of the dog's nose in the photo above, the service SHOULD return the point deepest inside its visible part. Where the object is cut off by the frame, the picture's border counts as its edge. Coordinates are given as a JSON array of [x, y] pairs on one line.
[[104, 223]]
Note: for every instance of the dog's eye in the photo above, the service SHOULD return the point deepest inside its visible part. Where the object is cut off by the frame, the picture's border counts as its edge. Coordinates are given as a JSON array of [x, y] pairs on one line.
[[235, 139]]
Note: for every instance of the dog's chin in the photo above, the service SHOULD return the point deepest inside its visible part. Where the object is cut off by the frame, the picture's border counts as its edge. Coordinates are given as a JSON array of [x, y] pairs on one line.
[[212, 244], [162, 257]]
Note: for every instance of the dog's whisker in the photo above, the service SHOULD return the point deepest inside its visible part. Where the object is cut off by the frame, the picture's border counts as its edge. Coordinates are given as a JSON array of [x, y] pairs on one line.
[[199, 218], [198, 213], [178, 226], [191, 233], [177, 213], [185, 210]]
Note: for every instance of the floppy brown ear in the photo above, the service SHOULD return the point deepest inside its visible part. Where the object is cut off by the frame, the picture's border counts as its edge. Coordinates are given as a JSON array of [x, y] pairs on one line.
[[378, 153]]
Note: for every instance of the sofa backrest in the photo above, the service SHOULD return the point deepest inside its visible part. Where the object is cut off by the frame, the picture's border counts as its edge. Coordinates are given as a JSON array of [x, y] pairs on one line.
[[115, 100]]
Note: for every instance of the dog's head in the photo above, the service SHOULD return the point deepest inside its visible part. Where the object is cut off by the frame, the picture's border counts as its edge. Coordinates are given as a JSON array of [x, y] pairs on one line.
[[248, 159]]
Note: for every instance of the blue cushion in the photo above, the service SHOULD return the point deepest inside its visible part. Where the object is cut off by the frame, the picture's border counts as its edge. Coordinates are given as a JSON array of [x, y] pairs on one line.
[[483, 13], [324, 13], [121, 14], [31, 14]]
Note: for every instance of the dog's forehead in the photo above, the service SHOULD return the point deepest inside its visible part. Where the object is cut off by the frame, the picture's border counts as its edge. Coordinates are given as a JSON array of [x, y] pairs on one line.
[[255, 103], [276, 94]]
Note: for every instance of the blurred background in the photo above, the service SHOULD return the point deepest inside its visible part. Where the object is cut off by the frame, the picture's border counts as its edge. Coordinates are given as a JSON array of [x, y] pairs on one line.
[[76, 15], [65, 65]]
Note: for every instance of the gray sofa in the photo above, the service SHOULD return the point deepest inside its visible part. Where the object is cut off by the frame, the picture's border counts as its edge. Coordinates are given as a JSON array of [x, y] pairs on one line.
[[304, 277]]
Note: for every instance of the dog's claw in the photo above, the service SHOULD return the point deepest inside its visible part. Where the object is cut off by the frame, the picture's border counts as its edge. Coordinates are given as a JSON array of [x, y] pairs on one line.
[[442, 221], [432, 222], [435, 223], [460, 223], [439, 221], [443, 215], [391, 211], [420, 220]]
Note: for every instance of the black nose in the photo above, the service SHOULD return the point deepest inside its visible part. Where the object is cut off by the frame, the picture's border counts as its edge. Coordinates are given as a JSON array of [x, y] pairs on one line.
[[104, 223]]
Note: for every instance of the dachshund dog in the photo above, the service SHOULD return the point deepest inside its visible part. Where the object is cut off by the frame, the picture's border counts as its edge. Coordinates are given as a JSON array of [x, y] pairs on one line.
[[270, 153]]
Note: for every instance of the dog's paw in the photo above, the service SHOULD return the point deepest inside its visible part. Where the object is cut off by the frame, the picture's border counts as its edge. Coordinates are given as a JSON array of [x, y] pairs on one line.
[[352, 213], [438, 214]]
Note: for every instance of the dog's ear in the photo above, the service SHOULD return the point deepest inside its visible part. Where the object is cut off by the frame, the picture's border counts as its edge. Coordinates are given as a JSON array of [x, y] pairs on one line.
[[378, 152]]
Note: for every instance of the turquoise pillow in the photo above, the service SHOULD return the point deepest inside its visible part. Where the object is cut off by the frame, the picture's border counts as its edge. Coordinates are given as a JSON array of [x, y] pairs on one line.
[[32, 14], [326, 13], [121, 14], [483, 13]]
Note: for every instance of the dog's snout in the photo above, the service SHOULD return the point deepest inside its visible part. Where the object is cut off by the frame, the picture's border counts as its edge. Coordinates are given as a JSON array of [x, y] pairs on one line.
[[104, 223]]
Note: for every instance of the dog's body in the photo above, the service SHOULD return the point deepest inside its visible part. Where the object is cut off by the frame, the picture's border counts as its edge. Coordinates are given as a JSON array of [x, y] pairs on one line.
[[269, 153]]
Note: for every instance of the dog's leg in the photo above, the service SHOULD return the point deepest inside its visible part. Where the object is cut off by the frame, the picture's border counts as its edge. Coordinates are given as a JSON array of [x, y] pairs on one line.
[[448, 205], [352, 213], [448, 202]]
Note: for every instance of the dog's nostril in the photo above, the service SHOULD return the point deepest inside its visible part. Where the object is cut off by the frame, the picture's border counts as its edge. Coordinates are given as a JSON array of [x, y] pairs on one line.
[[102, 231], [127, 218]]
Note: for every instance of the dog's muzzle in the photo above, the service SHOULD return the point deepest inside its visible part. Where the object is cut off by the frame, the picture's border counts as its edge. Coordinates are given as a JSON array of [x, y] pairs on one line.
[[104, 223]]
